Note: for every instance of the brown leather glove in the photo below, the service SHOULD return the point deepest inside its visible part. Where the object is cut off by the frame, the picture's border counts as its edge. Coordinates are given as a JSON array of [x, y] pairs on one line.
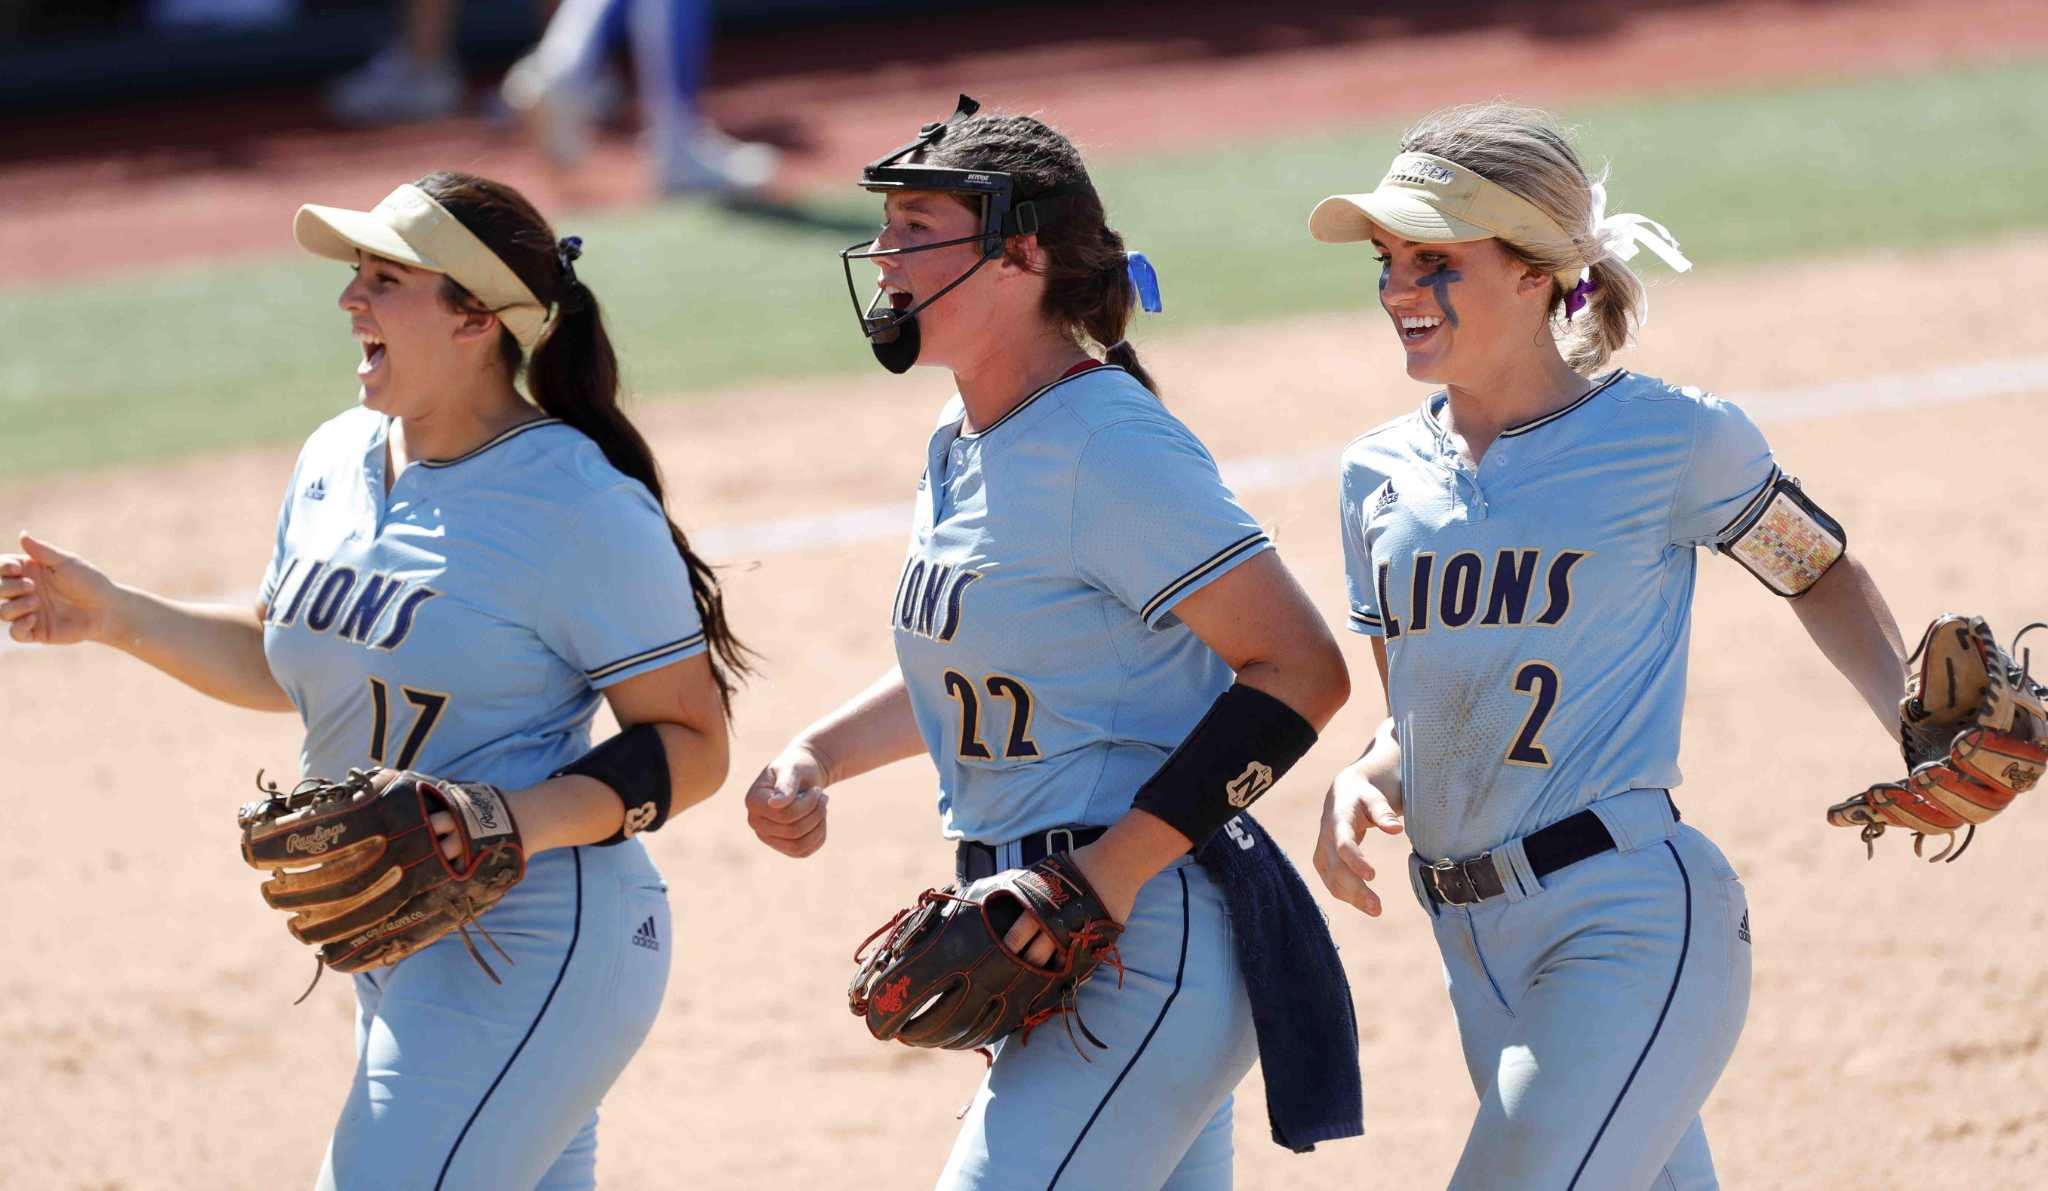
[[942, 977], [1974, 729], [361, 868]]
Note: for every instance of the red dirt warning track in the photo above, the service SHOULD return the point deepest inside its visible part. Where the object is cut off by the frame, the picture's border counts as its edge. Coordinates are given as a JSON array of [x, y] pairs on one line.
[[96, 192]]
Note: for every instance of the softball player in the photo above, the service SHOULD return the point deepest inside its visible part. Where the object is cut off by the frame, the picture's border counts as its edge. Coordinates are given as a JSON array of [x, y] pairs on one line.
[[1079, 592], [554, 89], [1521, 550], [460, 573]]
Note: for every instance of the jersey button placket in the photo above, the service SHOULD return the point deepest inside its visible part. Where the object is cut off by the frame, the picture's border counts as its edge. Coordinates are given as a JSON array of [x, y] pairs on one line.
[[1470, 497], [1490, 468], [401, 496], [938, 469], [374, 491]]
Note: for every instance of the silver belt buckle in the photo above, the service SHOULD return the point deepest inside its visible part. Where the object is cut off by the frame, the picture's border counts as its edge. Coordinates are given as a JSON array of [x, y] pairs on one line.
[[1455, 884], [1452, 886], [1051, 849]]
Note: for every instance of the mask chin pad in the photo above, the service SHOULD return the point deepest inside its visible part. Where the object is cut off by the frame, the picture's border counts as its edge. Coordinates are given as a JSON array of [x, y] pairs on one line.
[[897, 349]]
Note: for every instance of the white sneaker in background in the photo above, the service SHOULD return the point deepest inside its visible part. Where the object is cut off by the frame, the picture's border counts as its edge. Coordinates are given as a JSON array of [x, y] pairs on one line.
[[707, 161], [606, 91], [558, 113], [394, 87]]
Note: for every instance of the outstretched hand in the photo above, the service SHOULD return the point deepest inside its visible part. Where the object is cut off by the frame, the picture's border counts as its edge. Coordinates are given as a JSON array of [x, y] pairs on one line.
[[51, 597]]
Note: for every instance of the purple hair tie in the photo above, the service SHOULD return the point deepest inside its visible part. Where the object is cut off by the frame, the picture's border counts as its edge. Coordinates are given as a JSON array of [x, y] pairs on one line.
[[1576, 300]]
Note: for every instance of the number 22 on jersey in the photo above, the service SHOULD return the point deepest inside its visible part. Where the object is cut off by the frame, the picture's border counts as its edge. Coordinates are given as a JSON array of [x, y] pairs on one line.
[[1019, 745]]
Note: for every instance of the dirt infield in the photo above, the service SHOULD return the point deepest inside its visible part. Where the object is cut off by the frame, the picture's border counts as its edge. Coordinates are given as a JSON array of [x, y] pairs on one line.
[[1894, 1038], [145, 1010]]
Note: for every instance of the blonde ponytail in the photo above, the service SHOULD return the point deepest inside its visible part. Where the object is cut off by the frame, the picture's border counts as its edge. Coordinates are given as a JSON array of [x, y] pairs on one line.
[[1525, 151]]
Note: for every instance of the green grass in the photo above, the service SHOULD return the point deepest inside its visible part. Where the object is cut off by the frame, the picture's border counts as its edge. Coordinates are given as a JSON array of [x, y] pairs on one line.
[[166, 362]]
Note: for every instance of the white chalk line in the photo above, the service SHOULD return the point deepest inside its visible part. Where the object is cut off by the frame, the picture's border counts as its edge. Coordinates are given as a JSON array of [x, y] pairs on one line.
[[1260, 473]]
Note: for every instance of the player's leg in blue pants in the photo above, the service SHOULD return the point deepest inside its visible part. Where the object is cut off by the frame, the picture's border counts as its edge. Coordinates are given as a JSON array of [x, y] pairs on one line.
[[1154, 1109], [1597, 1013], [671, 41], [461, 1083]]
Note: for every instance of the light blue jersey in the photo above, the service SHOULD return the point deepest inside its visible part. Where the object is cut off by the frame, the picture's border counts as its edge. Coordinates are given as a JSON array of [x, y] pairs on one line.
[[1536, 609], [1034, 623], [1034, 615], [462, 625]]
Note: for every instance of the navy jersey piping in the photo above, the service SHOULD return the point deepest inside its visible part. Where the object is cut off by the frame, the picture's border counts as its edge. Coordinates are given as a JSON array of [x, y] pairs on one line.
[[1248, 542], [645, 655], [1678, 974], [507, 436], [575, 933], [989, 429], [1555, 414], [1179, 971]]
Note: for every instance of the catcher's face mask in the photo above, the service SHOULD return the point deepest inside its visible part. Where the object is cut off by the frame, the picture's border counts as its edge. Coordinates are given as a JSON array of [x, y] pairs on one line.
[[892, 333]]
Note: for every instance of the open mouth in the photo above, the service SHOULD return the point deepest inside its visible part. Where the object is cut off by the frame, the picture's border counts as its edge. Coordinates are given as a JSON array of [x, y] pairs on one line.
[[1417, 328], [899, 299], [373, 353]]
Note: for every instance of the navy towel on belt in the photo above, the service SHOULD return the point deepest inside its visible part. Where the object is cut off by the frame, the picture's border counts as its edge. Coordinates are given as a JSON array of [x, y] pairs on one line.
[[1301, 1003]]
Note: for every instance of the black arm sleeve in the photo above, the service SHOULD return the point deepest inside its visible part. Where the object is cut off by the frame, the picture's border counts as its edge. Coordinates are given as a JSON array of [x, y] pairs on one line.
[[635, 765], [1245, 743]]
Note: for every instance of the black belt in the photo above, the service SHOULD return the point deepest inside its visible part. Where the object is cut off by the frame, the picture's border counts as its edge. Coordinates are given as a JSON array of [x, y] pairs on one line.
[[1563, 843], [973, 861]]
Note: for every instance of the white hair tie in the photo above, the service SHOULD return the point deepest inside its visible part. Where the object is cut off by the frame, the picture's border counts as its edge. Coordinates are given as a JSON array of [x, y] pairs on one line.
[[1621, 235]]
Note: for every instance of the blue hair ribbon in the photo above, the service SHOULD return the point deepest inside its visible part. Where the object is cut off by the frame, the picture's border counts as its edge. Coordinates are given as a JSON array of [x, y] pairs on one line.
[[1145, 279]]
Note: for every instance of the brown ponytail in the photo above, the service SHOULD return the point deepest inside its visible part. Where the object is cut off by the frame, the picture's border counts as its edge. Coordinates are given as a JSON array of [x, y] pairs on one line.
[[1087, 287], [573, 373]]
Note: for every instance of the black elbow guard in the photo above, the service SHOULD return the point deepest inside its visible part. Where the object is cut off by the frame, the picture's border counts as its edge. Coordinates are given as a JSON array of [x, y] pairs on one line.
[[1245, 743], [635, 765]]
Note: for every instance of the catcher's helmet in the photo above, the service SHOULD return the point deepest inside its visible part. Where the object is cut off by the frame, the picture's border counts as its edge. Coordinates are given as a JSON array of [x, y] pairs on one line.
[[893, 333]]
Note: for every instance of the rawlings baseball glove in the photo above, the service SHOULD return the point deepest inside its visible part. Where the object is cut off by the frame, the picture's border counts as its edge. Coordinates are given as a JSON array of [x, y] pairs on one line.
[[943, 978], [359, 864], [1974, 730]]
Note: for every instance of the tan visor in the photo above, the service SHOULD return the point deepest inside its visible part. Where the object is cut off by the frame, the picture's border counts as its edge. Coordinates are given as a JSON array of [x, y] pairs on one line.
[[411, 228], [1432, 200]]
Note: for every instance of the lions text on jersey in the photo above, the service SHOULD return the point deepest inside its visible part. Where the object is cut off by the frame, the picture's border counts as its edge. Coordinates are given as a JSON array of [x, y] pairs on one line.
[[464, 623], [1034, 615], [1536, 607]]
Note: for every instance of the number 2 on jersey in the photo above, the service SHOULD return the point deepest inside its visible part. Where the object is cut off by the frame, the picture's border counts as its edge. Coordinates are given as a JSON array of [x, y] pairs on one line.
[[430, 704], [1539, 680], [1020, 746]]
